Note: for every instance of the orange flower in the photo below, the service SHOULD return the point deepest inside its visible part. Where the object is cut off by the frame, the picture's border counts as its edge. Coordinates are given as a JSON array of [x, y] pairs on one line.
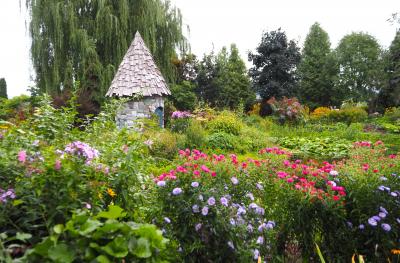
[[111, 192]]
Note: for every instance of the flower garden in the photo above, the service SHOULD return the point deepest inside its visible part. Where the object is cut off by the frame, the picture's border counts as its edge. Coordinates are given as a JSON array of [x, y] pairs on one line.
[[212, 187]]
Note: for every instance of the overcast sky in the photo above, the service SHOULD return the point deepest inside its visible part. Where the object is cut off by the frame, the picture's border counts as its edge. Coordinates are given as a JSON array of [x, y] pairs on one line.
[[215, 23]]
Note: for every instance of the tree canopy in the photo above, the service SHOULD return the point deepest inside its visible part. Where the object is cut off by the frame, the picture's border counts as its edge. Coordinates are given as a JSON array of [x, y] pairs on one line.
[[85, 40], [318, 70], [274, 65], [222, 80], [3, 88], [361, 67]]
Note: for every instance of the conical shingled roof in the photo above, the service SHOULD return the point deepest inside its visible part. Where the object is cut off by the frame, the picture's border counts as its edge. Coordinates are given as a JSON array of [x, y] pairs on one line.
[[138, 74]]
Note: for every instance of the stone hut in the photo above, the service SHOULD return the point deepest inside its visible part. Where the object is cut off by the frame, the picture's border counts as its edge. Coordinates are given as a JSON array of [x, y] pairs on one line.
[[138, 75]]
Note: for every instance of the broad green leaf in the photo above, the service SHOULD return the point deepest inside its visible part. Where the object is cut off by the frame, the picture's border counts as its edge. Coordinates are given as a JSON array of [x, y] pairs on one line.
[[103, 259], [113, 212], [61, 253], [17, 202], [58, 229], [142, 249], [23, 236], [89, 226], [117, 248]]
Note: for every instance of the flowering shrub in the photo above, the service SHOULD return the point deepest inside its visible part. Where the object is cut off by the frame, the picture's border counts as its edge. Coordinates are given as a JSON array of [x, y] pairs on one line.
[[210, 208], [320, 112], [180, 121], [288, 109]]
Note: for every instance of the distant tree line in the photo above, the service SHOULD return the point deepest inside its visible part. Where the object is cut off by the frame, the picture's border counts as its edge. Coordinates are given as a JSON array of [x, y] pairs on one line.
[[85, 41]]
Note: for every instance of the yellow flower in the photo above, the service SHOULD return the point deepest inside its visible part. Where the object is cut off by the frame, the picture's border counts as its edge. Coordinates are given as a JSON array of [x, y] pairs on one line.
[[111, 192]]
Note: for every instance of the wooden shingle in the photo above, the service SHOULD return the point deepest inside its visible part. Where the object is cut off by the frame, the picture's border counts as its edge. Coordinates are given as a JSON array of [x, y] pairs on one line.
[[138, 73]]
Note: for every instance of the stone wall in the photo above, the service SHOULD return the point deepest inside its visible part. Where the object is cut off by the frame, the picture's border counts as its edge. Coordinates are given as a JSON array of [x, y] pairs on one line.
[[134, 110]]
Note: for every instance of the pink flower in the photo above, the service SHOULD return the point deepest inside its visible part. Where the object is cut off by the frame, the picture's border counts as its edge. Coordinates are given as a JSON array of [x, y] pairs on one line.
[[57, 165], [213, 174], [286, 163], [22, 156], [205, 169], [282, 174], [196, 173]]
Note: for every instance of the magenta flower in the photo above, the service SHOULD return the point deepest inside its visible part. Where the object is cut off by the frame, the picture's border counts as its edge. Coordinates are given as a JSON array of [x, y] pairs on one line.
[[57, 165], [22, 156]]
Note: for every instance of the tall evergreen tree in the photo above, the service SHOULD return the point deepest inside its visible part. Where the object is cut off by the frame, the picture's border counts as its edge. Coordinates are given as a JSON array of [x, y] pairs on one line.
[[318, 70], [275, 63], [223, 81], [86, 40], [390, 94], [3, 88], [361, 67]]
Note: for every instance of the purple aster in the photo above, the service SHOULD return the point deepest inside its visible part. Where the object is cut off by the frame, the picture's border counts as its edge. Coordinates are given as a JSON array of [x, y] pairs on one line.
[[262, 227], [250, 228], [270, 225], [381, 187], [241, 210], [377, 218], [361, 227], [161, 183], [382, 215], [253, 206], [251, 196], [201, 197], [167, 220], [398, 220], [224, 201], [383, 210], [372, 221], [394, 194], [195, 209], [256, 254], [386, 227], [211, 201], [260, 211], [260, 240], [195, 184], [198, 226], [232, 221], [234, 180], [177, 191], [383, 178], [204, 211], [259, 186]]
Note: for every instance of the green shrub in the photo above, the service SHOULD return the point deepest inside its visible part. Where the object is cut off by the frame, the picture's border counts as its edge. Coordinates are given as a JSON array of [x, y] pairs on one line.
[[195, 135], [317, 148], [220, 140], [100, 238], [347, 115], [225, 122], [166, 144]]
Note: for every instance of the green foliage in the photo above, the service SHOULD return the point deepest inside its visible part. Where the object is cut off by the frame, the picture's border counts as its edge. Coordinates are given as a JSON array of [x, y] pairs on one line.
[[18, 107], [221, 141], [318, 71], [195, 135], [166, 144], [101, 238], [361, 67], [390, 93], [183, 96], [222, 80], [274, 64], [225, 122], [85, 41], [347, 115], [3, 88], [317, 148]]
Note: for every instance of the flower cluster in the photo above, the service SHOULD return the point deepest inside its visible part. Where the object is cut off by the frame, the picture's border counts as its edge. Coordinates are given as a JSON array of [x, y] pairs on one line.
[[82, 150], [379, 218], [275, 150], [181, 114], [6, 195]]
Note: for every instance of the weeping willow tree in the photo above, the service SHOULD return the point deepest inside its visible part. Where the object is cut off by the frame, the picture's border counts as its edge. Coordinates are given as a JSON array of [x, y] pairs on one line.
[[85, 40]]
